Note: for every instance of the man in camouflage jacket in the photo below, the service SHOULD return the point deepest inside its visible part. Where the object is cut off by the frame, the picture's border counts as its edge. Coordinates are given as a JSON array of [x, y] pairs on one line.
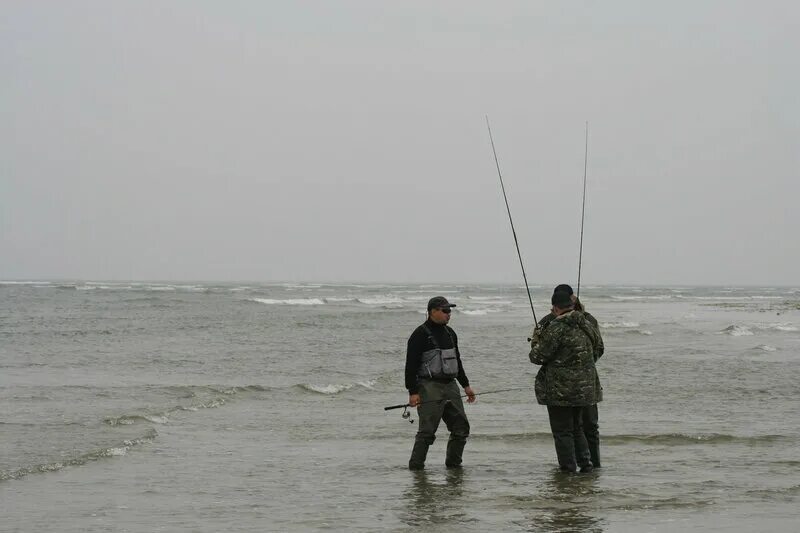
[[591, 419], [567, 382]]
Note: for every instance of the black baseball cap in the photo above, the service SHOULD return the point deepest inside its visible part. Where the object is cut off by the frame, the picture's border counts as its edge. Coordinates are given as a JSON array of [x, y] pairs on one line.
[[437, 302], [563, 288], [561, 300]]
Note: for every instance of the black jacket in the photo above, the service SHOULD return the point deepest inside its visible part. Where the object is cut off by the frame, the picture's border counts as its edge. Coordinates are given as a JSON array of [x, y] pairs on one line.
[[418, 343]]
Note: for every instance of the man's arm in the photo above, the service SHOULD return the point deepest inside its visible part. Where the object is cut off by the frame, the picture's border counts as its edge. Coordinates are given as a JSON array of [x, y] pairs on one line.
[[462, 376], [413, 360], [543, 348], [599, 347]]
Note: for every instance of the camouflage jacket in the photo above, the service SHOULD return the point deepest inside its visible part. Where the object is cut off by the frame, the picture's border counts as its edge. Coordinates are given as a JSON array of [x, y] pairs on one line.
[[548, 318], [567, 349]]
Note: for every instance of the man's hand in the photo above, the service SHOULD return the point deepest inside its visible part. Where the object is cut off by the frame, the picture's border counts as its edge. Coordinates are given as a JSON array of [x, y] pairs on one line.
[[470, 394], [537, 331], [414, 400]]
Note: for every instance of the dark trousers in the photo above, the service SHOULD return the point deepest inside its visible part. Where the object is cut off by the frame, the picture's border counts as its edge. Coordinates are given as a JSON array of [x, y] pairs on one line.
[[566, 423], [441, 402], [591, 429]]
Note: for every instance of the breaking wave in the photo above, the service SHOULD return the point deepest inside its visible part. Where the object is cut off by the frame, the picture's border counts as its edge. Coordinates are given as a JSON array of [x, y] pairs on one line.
[[290, 301], [336, 388], [766, 348], [737, 331], [680, 439], [380, 300], [667, 439], [116, 450], [478, 312], [615, 325], [776, 326], [213, 397]]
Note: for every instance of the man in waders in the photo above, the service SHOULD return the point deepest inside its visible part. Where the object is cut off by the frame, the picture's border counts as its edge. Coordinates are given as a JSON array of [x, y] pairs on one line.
[[567, 383], [433, 364], [591, 420]]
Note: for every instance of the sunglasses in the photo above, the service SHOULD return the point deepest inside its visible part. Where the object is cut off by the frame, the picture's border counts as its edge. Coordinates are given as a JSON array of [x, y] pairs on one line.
[[445, 310]]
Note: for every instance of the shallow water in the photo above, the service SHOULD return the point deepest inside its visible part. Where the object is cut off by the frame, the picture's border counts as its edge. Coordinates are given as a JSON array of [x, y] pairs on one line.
[[210, 407]]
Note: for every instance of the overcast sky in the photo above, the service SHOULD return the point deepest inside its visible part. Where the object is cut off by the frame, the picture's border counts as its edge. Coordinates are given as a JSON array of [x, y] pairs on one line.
[[344, 141]]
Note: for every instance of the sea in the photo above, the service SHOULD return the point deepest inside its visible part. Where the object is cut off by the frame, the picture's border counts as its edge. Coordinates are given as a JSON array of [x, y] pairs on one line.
[[206, 407]]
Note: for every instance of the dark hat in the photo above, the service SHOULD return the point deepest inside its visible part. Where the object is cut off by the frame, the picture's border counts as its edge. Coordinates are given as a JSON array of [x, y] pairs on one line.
[[563, 288], [438, 302], [561, 300]]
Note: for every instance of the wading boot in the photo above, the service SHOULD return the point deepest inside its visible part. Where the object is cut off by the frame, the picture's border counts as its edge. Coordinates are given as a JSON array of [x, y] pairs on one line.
[[594, 449], [418, 455], [455, 449]]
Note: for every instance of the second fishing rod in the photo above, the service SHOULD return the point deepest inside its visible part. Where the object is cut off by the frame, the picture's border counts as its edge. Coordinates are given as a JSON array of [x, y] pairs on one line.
[[511, 220]]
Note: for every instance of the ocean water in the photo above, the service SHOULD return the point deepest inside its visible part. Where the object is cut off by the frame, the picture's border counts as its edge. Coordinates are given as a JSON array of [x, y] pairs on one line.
[[259, 407]]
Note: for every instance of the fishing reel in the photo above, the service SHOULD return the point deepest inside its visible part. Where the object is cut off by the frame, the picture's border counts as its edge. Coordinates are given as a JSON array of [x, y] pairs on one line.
[[407, 415]]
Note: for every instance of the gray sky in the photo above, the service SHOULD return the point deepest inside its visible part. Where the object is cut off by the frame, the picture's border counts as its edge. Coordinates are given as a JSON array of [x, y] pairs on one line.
[[342, 141]]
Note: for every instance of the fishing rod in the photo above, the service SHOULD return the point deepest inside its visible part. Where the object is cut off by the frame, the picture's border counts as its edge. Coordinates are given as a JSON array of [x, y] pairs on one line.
[[407, 414], [508, 209], [583, 208]]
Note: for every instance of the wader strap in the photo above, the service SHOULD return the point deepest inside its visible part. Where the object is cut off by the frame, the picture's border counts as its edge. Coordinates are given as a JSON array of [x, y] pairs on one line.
[[433, 340]]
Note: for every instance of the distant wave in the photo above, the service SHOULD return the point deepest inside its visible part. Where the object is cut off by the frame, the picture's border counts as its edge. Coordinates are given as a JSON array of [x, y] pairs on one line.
[[680, 439], [615, 325], [514, 437], [336, 388], [290, 301], [667, 439], [653, 297], [777, 326], [211, 397], [127, 420], [766, 348], [737, 331], [479, 312], [327, 389], [380, 300], [82, 459], [645, 332]]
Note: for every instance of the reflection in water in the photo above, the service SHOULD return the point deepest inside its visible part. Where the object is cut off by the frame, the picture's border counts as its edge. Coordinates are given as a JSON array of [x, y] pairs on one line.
[[563, 505], [434, 499]]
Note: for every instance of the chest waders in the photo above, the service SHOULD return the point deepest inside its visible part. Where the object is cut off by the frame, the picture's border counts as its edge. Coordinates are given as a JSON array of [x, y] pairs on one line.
[[438, 363], [442, 398]]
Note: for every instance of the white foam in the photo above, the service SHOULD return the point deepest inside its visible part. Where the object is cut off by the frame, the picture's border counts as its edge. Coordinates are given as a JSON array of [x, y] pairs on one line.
[[779, 326], [300, 286], [380, 300], [615, 325], [116, 452], [737, 331], [156, 419], [291, 301], [336, 299], [328, 389], [475, 312], [370, 384], [766, 348], [638, 298]]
